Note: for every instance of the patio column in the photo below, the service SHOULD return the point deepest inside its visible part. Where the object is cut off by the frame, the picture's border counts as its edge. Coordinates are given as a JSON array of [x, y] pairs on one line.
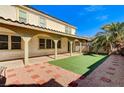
[[26, 49], [80, 47], [55, 41], [9, 41], [71, 42]]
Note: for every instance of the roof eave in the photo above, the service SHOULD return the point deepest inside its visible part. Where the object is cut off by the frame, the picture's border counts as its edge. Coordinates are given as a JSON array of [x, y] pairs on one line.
[[17, 23]]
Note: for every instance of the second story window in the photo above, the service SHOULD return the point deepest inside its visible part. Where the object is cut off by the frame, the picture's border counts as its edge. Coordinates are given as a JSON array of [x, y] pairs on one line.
[[67, 30], [22, 16], [42, 21]]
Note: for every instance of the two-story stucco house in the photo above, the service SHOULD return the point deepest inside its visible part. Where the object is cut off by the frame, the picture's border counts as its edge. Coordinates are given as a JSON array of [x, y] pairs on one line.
[[26, 32]]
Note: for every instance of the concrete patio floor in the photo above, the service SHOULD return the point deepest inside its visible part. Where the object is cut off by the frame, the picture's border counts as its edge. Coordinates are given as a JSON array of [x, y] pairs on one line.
[[43, 74]]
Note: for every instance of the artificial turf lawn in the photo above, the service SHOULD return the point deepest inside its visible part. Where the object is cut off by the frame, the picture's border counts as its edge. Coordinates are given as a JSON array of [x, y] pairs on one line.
[[78, 64]]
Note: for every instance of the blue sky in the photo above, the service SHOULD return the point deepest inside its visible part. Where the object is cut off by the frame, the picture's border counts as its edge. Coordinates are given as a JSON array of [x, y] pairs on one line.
[[87, 18]]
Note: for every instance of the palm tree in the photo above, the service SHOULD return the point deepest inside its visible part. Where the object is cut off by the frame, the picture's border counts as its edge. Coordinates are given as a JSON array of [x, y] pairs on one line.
[[102, 40], [113, 35], [117, 33], [114, 28]]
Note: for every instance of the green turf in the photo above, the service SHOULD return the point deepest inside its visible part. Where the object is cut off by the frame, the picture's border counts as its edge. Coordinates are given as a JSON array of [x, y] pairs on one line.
[[78, 64]]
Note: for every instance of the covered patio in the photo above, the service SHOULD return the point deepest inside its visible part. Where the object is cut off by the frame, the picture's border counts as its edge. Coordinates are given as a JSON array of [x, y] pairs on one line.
[[28, 32]]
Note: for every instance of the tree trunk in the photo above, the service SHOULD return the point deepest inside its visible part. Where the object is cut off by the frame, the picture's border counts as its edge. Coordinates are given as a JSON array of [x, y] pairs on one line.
[[97, 52], [111, 49], [109, 53]]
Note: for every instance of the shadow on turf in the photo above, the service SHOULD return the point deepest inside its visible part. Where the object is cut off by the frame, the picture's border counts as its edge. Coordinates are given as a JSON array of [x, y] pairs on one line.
[[91, 69], [90, 54], [93, 54]]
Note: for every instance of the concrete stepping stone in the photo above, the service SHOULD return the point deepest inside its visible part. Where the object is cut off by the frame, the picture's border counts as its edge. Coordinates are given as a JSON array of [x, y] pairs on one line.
[[27, 66], [35, 76], [57, 76], [110, 73], [116, 64], [42, 67], [30, 70], [16, 82], [104, 79], [10, 70], [111, 68], [40, 81], [49, 71], [36, 64], [12, 75]]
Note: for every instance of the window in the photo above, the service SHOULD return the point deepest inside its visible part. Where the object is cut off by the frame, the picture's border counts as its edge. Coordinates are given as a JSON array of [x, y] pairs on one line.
[[22, 16], [48, 43], [67, 30], [42, 21], [16, 42], [42, 43], [3, 42], [59, 44]]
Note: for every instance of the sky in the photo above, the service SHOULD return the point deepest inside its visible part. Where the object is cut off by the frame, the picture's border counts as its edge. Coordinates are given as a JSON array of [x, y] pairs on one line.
[[87, 18]]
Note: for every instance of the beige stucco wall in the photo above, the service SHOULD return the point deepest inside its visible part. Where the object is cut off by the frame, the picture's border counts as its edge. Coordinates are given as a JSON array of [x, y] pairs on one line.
[[73, 31], [33, 46], [53, 25], [7, 11], [10, 54], [33, 18], [12, 12]]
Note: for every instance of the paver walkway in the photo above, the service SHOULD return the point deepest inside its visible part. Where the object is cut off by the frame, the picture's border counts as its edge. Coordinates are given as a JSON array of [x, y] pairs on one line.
[[108, 74]]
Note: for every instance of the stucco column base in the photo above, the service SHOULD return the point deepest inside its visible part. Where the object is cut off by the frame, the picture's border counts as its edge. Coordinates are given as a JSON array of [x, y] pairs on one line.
[[26, 49], [55, 41]]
